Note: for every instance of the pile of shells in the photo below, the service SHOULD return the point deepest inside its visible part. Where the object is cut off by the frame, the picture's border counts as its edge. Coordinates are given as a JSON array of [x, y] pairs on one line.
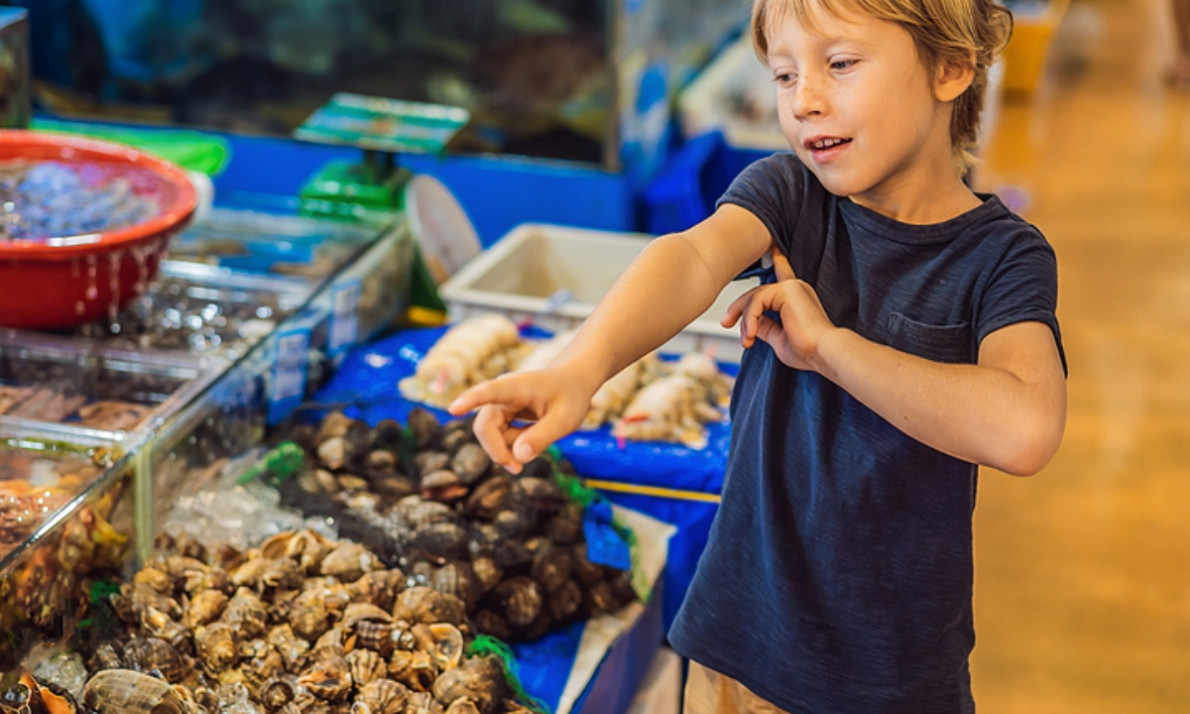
[[300, 624], [428, 499]]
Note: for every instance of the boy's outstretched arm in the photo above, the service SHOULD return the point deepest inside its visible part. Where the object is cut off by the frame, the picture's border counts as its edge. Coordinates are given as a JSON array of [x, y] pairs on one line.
[[673, 281], [1008, 411]]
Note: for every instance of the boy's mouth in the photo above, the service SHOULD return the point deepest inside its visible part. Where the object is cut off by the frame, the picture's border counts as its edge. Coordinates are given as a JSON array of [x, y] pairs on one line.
[[824, 143]]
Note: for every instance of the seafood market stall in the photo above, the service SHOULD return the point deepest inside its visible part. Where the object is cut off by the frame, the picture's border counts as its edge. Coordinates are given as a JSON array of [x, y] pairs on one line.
[[114, 573]]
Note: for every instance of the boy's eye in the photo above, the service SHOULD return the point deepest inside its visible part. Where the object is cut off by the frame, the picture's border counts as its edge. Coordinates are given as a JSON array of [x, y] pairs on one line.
[[784, 77], [842, 64]]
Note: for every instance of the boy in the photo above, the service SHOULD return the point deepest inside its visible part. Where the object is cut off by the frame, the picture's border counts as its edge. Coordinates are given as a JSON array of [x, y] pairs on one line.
[[909, 336]]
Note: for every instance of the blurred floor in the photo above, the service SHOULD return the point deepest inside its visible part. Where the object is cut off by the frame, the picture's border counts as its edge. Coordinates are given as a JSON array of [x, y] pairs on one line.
[[1082, 593]]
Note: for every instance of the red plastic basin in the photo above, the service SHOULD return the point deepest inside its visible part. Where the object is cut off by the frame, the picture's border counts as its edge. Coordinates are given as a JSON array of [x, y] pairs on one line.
[[69, 280]]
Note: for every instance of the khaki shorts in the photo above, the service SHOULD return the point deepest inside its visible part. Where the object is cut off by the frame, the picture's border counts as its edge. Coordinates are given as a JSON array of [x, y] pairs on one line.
[[708, 692]]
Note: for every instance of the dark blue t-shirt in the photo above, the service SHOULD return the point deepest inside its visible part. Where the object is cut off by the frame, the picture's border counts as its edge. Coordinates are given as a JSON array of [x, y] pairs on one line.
[[838, 574]]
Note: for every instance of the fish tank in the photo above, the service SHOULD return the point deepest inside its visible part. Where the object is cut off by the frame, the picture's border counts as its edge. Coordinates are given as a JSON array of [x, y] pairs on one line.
[[562, 79]]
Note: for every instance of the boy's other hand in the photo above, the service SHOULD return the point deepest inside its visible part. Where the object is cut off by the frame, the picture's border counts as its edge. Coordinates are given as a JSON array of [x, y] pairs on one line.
[[803, 321], [553, 404]]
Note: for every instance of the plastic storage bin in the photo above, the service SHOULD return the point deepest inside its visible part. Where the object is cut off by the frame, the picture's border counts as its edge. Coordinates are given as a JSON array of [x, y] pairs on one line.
[[554, 275]]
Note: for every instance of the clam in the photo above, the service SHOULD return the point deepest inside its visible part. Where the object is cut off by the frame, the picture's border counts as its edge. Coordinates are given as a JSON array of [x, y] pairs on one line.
[[427, 462], [566, 526], [457, 578], [564, 602], [424, 428], [490, 623], [539, 494], [586, 572], [387, 434], [488, 498], [551, 567], [512, 522], [457, 434], [599, 598], [487, 572], [334, 424], [440, 541], [350, 483], [422, 703], [521, 599], [393, 488], [380, 464], [123, 691], [443, 485], [471, 463]]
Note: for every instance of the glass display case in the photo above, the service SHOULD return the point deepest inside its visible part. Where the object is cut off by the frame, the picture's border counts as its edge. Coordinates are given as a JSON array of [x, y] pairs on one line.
[[51, 380], [67, 523], [585, 81]]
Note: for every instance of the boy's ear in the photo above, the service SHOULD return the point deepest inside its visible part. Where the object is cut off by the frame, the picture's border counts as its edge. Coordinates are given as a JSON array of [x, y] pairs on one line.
[[953, 78]]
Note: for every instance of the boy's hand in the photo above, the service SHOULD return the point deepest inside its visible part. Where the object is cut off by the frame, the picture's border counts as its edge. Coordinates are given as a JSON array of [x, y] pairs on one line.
[[552, 398], [803, 321]]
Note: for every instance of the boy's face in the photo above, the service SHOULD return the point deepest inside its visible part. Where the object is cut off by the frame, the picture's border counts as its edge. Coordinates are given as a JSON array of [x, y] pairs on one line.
[[860, 108]]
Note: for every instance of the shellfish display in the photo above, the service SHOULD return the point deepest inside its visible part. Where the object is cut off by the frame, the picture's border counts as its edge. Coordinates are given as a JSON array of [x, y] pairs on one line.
[[43, 574], [694, 390], [288, 629], [427, 499]]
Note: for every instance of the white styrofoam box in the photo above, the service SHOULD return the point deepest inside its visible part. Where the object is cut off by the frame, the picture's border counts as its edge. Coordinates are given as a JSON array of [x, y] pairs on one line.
[[553, 276], [714, 101], [660, 691]]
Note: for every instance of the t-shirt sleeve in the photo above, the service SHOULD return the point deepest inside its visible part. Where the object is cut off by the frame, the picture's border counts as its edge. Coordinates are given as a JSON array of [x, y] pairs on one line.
[[770, 189], [1022, 288]]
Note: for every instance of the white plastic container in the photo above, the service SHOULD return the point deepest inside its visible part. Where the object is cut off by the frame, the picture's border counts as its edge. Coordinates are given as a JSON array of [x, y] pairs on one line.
[[734, 94], [552, 276]]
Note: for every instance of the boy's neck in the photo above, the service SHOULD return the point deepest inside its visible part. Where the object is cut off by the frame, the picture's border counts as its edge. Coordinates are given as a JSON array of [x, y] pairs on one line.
[[933, 202]]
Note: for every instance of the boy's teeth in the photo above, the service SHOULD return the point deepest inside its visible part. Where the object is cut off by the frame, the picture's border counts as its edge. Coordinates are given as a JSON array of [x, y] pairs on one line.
[[827, 143]]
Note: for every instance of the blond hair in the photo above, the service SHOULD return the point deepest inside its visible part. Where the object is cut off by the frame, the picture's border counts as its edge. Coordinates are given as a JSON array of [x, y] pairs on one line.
[[954, 31]]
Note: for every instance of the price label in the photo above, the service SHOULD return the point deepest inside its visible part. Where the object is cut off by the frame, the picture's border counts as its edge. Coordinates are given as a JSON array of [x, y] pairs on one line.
[[344, 328], [289, 373]]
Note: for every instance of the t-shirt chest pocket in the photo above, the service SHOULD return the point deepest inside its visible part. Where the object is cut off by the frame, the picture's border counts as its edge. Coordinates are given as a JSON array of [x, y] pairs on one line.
[[940, 343]]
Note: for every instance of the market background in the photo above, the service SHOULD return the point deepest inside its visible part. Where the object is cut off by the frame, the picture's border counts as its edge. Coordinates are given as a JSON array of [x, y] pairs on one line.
[[1082, 593]]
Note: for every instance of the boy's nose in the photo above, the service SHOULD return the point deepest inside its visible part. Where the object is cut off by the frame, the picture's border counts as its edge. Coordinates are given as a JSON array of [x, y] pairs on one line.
[[807, 99]]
